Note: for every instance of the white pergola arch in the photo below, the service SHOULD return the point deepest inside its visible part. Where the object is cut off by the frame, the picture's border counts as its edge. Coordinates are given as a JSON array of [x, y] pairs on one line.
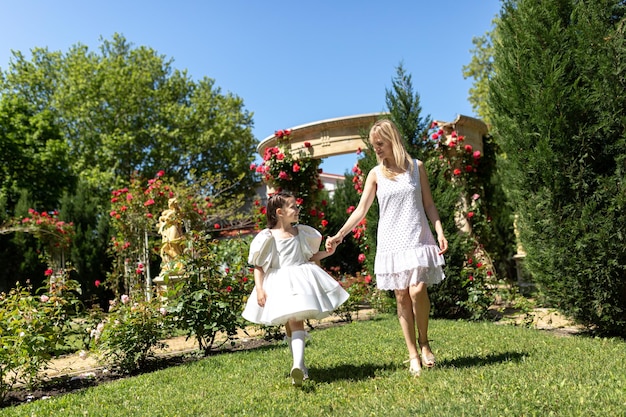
[[328, 137], [344, 135]]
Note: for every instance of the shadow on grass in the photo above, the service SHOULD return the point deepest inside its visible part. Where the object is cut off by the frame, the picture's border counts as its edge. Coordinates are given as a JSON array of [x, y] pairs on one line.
[[349, 372], [471, 361]]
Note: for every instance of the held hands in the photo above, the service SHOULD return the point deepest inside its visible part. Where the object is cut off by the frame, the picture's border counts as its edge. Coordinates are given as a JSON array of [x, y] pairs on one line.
[[332, 242]]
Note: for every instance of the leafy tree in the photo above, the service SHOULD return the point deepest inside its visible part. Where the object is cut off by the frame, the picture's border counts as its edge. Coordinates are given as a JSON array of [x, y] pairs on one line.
[[480, 69], [33, 155], [558, 101], [106, 117]]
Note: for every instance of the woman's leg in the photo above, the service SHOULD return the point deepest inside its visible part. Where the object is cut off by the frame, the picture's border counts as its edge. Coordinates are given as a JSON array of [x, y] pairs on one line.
[[407, 323], [421, 312]]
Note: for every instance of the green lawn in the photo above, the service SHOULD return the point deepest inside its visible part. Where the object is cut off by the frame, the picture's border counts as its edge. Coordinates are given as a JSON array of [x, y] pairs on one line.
[[357, 369]]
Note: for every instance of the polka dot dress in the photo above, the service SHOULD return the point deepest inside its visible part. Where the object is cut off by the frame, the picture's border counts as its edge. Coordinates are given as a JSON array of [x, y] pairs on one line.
[[406, 251]]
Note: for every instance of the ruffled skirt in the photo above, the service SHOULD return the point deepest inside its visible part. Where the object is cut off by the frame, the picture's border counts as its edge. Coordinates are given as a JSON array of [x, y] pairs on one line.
[[399, 270], [298, 292]]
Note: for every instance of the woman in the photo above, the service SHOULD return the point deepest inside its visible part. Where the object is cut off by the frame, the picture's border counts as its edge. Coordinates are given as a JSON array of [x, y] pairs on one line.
[[407, 256]]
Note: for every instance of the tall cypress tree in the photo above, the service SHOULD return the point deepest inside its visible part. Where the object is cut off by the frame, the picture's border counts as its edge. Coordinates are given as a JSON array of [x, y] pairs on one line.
[[558, 100]]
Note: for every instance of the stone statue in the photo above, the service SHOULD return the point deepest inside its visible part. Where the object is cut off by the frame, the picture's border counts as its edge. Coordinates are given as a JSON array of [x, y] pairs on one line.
[[171, 231]]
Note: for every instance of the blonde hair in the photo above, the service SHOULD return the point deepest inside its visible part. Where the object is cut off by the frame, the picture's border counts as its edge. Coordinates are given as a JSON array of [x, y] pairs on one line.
[[386, 130]]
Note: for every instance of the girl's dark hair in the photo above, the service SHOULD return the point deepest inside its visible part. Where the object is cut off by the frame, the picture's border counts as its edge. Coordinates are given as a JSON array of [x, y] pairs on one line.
[[276, 201]]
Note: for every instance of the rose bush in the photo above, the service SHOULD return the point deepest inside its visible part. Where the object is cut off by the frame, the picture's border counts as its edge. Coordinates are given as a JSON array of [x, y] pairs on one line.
[[295, 171]]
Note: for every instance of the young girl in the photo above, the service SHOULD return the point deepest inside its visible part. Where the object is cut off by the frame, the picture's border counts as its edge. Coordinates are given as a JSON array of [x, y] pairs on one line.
[[289, 287], [407, 256]]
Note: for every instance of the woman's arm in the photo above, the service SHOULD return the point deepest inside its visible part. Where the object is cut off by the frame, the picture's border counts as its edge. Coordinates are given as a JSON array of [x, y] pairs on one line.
[[431, 209], [367, 198]]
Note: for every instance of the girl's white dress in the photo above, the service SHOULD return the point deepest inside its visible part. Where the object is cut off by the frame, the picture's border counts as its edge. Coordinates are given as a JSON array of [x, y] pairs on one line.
[[295, 287], [406, 251]]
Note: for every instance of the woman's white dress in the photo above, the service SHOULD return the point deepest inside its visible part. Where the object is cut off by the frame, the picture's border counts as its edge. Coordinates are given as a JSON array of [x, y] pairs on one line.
[[295, 287], [406, 251]]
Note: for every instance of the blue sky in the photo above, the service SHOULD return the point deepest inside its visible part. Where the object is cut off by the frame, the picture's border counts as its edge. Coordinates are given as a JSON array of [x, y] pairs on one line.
[[292, 62]]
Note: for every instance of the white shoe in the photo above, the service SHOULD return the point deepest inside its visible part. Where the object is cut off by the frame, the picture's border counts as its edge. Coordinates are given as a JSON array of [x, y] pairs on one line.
[[297, 376]]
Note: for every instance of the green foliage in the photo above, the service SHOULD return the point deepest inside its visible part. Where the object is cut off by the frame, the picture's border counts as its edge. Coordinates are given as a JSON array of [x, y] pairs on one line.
[[105, 117], [130, 333], [33, 154], [32, 329], [558, 104], [212, 295], [480, 69], [88, 251], [125, 110], [406, 111], [345, 199]]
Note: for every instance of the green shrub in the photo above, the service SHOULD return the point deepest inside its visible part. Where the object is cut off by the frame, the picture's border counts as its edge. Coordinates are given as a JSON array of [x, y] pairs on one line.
[[129, 333], [211, 297], [558, 97], [32, 329]]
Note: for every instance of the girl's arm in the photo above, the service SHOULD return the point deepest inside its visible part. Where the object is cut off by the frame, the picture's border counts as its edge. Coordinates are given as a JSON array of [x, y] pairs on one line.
[[259, 276], [367, 198], [324, 254], [431, 210]]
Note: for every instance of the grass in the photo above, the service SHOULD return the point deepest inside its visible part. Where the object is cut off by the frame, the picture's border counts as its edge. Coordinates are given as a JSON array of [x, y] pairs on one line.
[[357, 369]]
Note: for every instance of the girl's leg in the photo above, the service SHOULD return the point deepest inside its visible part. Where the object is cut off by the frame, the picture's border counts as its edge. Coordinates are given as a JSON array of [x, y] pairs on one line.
[[407, 323], [297, 351], [421, 313]]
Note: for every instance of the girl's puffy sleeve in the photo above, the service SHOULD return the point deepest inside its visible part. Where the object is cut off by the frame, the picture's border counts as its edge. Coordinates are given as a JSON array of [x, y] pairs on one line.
[[310, 240], [262, 250]]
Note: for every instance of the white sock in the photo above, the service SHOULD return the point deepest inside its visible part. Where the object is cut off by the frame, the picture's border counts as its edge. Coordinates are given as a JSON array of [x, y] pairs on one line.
[[297, 348]]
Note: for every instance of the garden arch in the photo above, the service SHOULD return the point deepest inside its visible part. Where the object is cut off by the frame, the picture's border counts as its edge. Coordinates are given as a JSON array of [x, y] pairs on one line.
[[343, 135]]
